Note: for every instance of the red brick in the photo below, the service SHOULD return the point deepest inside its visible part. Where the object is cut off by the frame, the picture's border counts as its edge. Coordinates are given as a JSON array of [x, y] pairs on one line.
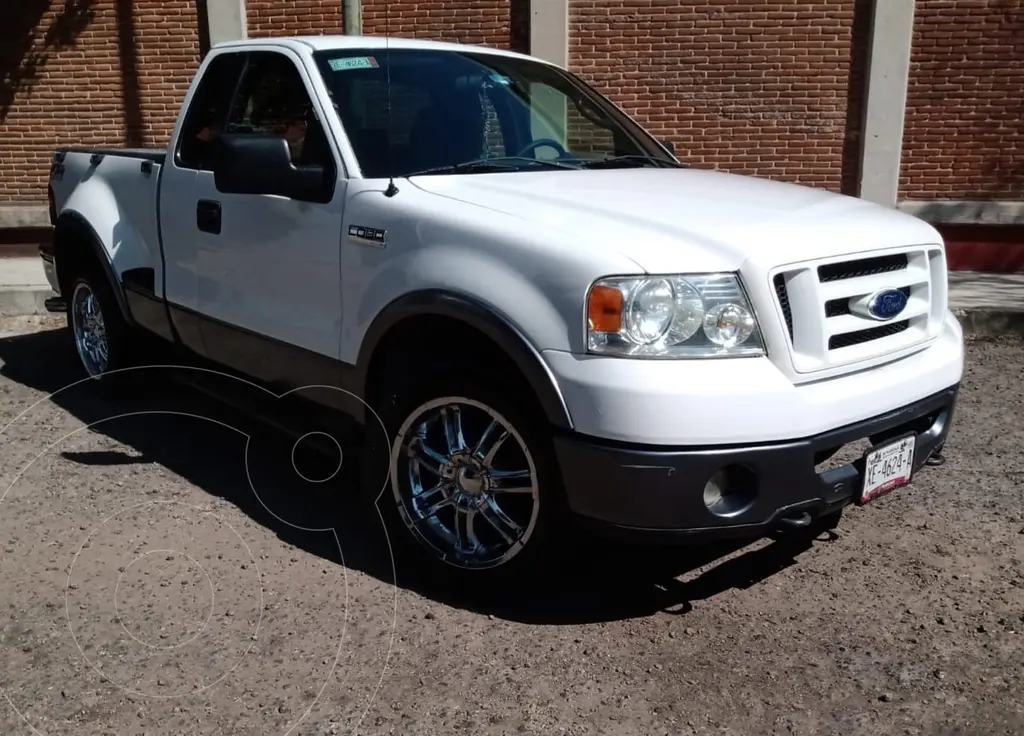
[[965, 96], [767, 88], [732, 85], [78, 88]]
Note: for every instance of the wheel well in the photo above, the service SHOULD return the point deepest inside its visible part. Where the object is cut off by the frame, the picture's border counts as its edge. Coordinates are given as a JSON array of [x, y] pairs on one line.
[[73, 252], [77, 251], [441, 340]]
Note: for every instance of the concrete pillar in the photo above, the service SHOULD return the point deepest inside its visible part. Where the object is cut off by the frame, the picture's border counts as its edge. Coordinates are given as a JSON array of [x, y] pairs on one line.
[[227, 21], [549, 40], [352, 17], [892, 29], [549, 30]]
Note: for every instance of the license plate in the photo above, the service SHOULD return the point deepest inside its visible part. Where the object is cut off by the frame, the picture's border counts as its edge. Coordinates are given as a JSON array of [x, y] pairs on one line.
[[888, 467]]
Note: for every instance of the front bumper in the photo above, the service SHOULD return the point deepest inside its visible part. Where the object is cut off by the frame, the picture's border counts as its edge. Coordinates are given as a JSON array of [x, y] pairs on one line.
[[657, 492], [749, 401]]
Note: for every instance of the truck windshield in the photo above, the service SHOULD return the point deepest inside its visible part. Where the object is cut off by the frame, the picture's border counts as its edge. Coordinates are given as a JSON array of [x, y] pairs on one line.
[[466, 112]]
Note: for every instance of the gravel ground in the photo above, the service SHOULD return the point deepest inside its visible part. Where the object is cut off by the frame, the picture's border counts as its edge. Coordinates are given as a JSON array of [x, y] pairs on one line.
[[145, 588]]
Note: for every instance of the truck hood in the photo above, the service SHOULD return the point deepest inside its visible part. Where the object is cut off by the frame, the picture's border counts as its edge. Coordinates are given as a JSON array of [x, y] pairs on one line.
[[688, 219]]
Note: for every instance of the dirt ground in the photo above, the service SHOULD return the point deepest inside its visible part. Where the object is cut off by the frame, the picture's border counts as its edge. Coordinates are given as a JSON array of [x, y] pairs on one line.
[[159, 575]]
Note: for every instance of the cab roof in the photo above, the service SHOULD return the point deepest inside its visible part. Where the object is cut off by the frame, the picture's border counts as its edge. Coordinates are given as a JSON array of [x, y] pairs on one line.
[[342, 43]]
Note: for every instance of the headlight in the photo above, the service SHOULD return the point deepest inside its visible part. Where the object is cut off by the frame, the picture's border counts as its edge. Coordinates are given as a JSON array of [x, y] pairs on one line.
[[684, 316]]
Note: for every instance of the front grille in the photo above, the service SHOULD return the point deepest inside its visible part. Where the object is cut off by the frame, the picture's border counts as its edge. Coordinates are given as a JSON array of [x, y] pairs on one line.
[[839, 307], [824, 333], [849, 339], [783, 295], [862, 267]]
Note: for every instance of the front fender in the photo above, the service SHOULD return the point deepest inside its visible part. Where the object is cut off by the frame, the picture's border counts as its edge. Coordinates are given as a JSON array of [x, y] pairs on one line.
[[507, 285], [483, 317]]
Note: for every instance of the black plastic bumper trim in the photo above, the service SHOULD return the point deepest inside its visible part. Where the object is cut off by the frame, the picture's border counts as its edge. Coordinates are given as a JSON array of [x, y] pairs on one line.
[[657, 492]]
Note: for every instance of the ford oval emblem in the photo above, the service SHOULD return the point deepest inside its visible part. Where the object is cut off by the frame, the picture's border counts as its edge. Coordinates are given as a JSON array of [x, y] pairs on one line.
[[887, 303]]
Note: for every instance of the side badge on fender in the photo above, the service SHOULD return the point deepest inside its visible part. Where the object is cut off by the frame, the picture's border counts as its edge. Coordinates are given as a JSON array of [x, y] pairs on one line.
[[367, 236]]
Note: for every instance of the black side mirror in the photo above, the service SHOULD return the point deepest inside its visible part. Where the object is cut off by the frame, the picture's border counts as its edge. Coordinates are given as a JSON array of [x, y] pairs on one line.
[[669, 146], [261, 164]]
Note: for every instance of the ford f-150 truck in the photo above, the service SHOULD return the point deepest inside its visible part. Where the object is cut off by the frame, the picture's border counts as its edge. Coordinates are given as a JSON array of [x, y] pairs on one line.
[[554, 318]]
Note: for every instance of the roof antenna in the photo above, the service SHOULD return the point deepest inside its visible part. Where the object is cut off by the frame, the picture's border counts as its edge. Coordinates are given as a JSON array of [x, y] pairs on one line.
[[392, 190]]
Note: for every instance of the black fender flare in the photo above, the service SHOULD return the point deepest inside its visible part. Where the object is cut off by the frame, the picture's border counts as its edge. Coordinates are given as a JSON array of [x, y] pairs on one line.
[[475, 313], [74, 222]]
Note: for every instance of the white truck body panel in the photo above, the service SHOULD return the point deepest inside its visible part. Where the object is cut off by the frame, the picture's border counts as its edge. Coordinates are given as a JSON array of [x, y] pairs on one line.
[[672, 221], [536, 282], [118, 201], [181, 244], [275, 268], [720, 402]]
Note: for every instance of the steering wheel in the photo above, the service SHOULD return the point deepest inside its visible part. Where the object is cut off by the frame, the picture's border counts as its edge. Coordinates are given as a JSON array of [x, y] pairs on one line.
[[529, 148]]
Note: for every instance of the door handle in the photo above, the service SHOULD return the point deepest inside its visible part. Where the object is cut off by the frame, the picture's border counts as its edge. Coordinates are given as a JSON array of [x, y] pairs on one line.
[[208, 216]]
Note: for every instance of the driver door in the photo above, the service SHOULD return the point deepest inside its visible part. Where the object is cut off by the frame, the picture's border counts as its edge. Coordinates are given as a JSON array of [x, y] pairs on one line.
[[269, 280]]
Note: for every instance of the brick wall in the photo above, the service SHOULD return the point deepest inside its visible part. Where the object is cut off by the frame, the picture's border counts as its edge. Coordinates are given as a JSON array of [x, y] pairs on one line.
[[753, 86], [502, 23], [292, 18], [88, 72], [767, 87], [487, 22], [964, 134]]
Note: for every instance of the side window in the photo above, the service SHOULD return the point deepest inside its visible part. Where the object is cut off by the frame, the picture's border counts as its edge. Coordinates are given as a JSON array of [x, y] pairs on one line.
[[208, 110], [272, 100]]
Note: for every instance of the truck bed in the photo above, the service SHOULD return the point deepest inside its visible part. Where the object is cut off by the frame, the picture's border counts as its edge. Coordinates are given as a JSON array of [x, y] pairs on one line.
[[156, 155], [114, 190]]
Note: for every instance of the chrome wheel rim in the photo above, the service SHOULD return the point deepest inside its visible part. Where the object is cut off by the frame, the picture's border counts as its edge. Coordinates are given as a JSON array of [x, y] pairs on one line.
[[465, 483], [89, 330]]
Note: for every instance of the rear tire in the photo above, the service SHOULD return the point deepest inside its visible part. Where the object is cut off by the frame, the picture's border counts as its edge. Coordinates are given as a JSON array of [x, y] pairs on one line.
[[474, 493], [99, 333]]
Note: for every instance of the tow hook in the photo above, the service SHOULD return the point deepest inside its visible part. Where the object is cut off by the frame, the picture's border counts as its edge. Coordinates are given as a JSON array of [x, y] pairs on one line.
[[936, 458], [798, 521]]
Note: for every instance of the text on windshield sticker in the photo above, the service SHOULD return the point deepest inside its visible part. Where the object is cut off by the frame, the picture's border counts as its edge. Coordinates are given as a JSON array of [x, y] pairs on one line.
[[352, 62]]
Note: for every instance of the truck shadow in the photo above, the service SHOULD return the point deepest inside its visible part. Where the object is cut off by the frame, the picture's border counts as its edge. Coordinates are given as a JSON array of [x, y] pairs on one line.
[[207, 445]]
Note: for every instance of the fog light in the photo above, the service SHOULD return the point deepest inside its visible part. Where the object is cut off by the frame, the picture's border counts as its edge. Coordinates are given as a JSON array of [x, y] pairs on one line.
[[730, 491]]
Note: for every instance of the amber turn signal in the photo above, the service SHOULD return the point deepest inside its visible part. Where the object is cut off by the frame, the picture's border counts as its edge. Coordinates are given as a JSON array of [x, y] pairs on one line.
[[604, 309]]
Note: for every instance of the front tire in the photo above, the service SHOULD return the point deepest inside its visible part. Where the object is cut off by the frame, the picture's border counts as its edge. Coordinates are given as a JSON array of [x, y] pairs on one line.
[[473, 490]]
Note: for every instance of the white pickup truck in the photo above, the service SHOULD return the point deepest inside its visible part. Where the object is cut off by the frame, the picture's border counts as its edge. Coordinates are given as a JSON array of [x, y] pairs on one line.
[[554, 318]]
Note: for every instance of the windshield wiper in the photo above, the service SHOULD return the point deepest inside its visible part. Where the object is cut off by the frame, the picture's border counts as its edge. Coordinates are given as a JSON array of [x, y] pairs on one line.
[[498, 163], [635, 158]]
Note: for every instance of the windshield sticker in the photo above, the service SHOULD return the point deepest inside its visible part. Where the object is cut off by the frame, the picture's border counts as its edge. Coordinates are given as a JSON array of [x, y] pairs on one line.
[[352, 62], [501, 79]]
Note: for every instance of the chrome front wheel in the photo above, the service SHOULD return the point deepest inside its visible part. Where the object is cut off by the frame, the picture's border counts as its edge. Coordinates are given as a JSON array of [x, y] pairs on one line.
[[465, 483], [90, 330]]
